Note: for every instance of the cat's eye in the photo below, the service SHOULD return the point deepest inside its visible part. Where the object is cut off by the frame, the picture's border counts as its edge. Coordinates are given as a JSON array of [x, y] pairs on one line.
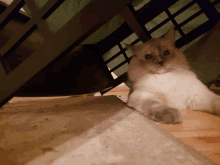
[[148, 56], [166, 52]]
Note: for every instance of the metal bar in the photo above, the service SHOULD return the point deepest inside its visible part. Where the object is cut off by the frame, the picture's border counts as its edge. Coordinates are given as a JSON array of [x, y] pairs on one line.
[[215, 2], [190, 18], [135, 41], [123, 51], [183, 9], [97, 11], [113, 57], [195, 33], [209, 10], [174, 22], [159, 25], [174, 15], [118, 66], [120, 52], [153, 9], [122, 63]]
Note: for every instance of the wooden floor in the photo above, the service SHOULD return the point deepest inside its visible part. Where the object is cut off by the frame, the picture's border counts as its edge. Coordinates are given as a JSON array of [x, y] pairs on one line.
[[199, 130]]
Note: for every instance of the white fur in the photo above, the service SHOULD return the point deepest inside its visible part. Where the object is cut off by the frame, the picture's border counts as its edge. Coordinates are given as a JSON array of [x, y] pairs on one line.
[[173, 84], [181, 89]]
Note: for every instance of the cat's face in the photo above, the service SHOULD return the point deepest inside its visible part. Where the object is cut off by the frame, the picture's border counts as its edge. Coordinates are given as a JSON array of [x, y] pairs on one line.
[[159, 56]]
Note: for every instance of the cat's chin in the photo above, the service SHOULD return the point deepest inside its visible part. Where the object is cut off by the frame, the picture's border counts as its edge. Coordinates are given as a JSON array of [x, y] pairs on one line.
[[160, 71], [163, 70]]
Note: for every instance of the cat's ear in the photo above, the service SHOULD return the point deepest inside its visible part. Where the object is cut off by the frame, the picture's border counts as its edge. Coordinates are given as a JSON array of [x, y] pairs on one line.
[[170, 35]]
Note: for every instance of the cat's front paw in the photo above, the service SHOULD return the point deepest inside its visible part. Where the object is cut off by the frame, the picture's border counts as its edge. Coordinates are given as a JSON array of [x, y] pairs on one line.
[[164, 114]]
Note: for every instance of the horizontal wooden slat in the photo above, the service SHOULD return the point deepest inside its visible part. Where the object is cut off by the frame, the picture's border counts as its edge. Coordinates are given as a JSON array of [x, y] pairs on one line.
[[116, 82], [41, 24], [129, 17], [70, 35], [199, 130], [49, 8], [76, 28], [5, 65], [17, 39], [29, 27], [14, 7], [2, 70], [145, 14], [209, 10]]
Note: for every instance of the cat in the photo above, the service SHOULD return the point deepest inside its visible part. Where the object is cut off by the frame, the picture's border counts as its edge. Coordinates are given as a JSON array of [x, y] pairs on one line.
[[163, 83]]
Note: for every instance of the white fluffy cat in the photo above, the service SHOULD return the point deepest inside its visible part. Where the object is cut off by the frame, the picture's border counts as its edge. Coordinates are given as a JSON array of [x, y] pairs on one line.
[[163, 83]]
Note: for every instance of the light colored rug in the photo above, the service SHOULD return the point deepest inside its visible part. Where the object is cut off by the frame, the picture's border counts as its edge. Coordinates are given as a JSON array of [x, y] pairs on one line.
[[86, 131]]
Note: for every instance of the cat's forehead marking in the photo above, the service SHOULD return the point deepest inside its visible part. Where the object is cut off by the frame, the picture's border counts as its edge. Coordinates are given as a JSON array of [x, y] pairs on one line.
[[151, 48], [158, 47], [160, 54]]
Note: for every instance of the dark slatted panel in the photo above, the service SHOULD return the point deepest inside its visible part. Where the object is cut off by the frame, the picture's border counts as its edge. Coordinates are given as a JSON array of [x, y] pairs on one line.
[[11, 10], [51, 47], [18, 16], [136, 23], [149, 12]]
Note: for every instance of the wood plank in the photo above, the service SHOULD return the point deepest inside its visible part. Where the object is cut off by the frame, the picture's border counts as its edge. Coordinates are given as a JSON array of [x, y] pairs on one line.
[[209, 10], [14, 7], [129, 17], [199, 130], [45, 11], [5, 66], [90, 12], [97, 11], [41, 24], [17, 39], [116, 82], [69, 130], [2, 70]]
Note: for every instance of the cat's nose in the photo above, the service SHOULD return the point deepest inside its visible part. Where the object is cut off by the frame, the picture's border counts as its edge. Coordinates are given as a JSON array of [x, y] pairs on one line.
[[161, 62]]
